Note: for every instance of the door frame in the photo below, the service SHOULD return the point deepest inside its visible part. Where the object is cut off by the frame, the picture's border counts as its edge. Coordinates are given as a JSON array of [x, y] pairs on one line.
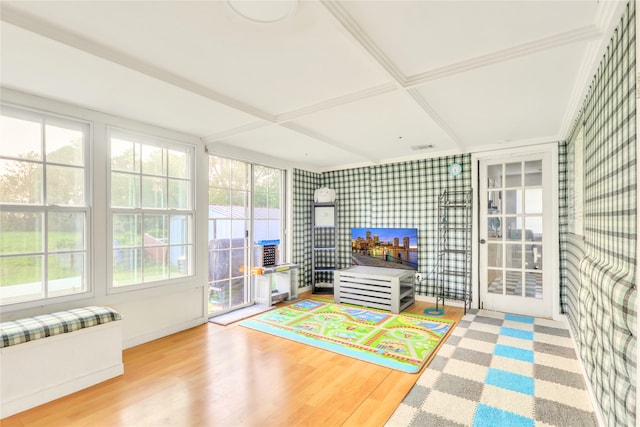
[[554, 247]]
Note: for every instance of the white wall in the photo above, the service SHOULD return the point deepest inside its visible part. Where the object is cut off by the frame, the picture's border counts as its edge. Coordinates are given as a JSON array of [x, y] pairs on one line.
[[148, 313]]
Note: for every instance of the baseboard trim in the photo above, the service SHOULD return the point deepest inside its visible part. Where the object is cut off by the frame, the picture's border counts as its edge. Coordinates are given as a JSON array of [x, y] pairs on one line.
[[452, 303], [161, 333]]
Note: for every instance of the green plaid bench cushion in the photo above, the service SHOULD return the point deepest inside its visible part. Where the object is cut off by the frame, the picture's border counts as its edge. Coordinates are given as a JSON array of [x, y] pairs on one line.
[[46, 325]]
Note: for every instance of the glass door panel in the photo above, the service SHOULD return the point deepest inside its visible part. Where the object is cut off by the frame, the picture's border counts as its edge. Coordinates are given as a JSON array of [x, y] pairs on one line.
[[228, 242]]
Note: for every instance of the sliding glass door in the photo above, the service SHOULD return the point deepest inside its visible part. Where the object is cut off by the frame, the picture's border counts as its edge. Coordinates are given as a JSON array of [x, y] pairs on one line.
[[245, 206]]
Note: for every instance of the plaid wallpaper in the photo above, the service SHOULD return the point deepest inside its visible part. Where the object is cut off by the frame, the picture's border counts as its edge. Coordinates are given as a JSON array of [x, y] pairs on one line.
[[600, 271], [562, 221], [392, 195], [304, 184]]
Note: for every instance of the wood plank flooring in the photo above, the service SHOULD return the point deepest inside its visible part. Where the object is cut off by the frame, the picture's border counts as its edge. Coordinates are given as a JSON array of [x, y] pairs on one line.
[[215, 375]]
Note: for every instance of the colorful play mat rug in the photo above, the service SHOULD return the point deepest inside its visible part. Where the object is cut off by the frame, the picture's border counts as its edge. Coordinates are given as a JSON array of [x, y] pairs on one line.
[[398, 341]]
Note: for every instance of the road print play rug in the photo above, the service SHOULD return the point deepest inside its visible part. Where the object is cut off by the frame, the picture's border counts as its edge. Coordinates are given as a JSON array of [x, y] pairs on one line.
[[402, 342]]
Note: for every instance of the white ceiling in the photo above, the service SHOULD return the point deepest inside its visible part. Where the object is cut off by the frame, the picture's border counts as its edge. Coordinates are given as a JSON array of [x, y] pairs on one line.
[[336, 84]]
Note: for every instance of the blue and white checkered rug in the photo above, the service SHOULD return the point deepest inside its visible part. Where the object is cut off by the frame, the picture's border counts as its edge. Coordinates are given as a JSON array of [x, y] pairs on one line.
[[497, 370]]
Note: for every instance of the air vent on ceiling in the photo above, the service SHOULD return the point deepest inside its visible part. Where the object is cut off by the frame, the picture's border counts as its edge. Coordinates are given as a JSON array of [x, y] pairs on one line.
[[421, 147]]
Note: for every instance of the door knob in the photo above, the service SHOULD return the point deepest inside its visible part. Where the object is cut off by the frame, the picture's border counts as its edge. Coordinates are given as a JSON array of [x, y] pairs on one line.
[[482, 241]]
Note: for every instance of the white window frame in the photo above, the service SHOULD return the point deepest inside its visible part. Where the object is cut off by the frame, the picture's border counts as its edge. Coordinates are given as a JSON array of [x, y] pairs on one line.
[[164, 143], [46, 209]]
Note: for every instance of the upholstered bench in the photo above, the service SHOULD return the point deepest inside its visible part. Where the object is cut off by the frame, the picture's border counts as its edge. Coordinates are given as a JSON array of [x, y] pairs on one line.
[[48, 356]]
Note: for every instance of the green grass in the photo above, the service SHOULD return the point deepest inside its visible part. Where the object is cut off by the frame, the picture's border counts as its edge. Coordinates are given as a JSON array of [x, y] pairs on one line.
[[27, 269]]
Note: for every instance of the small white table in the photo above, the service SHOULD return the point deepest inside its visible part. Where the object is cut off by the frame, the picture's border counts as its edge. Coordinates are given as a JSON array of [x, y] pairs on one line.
[[276, 284], [377, 287]]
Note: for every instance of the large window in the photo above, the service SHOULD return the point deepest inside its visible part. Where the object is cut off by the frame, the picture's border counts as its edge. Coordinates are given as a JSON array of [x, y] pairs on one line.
[[44, 209], [152, 209]]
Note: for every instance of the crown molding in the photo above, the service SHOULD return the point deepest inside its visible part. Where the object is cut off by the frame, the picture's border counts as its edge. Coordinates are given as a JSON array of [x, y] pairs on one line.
[[53, 32], [607, 21]]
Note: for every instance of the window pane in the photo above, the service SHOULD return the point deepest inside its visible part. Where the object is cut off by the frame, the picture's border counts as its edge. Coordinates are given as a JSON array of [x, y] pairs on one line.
[[155, 230], [494, 255], [180, 261], [64, 145], [218, 263], [125, 155], [494, 279], [534, 257], [513, 285], [65, 186], [533, 288], [125, 190], [154, 192], [238, 262], [238, 232], [260, 230], [178, 194], [534, 228], [274, 205], [155, 264], [239, 175], [495, 228], [513, 201], [127, 268], [153, 160], [260, 203], [219, 229], [178, 164], [127, 230], [533, 200], [66, 272], [20, 182], [22, 270], [514, 228], [513, 174], [219, 196], [219, 171], [514, 256], [66, 231], [533, 173], [240, 202], [21, 278], [274, 229], [20, 232], [20, 138], [494, 176], [179, 229]]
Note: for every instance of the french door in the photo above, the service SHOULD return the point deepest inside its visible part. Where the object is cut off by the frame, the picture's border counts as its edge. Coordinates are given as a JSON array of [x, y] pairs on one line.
[[518, 234]]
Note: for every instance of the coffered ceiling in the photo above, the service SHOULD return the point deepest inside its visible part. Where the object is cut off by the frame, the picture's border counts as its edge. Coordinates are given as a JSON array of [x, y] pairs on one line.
[[333, 85]]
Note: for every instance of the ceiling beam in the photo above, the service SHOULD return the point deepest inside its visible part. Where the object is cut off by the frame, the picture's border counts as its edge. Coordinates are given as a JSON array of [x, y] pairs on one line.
[[586, 33]]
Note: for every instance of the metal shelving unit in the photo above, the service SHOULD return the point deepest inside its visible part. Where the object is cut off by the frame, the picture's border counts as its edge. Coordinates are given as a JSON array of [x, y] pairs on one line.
[[454, 248], [324, 241]]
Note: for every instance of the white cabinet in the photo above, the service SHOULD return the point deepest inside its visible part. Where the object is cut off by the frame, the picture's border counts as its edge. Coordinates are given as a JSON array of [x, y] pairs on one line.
[[385, 288]]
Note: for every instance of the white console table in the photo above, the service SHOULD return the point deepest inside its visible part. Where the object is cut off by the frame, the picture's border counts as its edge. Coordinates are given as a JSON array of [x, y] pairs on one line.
[[385, 288]]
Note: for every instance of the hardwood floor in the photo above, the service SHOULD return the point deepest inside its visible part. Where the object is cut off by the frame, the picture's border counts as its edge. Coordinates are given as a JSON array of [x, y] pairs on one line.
[[214, 375]]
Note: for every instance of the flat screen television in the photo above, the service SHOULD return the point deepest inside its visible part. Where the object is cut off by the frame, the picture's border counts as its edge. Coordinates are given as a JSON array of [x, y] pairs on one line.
[[385, 247]]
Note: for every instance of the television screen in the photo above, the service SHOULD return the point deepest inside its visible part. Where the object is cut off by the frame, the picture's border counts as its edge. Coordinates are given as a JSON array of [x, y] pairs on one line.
[[385, 247]]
